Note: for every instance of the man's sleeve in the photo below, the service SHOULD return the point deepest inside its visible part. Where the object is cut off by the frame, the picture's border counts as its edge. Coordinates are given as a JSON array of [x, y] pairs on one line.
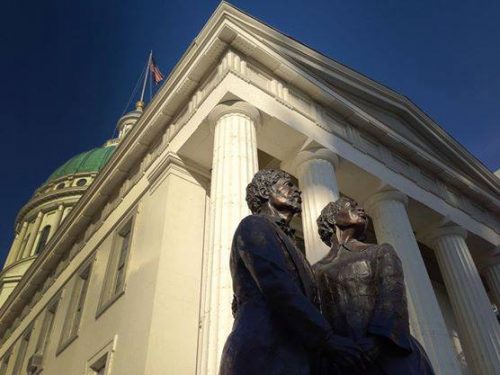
[[390, 317], [261, 251]]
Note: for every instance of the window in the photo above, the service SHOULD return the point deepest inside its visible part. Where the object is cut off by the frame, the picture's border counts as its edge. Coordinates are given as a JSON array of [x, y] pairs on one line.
[[124, 240], [81, 182], [46, 330], [114, 283], [75, 309], [99, 367], [60, 186], [44, 236], [21, 352], [102, 361]]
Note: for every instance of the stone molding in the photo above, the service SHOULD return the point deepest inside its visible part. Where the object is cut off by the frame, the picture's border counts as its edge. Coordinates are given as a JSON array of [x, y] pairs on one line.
[[5, 272]]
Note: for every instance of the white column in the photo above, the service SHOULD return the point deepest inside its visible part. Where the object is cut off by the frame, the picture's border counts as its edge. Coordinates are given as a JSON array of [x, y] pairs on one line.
[[33, 236], [492, 275], [234, 165], [477, 325], [315, 170], [57, 219], [392, 225], [22, 240]]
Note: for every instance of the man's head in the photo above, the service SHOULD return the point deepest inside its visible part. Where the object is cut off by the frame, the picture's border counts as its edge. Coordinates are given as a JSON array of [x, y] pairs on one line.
[[273, 187], [343, 213]]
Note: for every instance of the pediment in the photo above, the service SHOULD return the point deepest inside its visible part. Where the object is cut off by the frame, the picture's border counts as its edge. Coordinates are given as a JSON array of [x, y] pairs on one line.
[[397, 124], [296, 63]]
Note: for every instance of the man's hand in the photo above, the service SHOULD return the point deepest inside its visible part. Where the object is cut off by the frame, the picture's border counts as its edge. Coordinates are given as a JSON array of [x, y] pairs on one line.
[[346, 353]]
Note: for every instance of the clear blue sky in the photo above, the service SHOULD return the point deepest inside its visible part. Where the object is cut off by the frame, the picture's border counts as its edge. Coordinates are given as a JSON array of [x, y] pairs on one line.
[[68, 68]]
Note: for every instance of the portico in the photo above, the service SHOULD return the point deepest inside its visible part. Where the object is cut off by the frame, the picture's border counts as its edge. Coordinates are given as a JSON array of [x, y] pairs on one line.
[[323, 175], [332, 154]]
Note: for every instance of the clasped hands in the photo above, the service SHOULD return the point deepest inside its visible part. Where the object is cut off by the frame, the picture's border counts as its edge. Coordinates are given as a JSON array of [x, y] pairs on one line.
[[348, 356]]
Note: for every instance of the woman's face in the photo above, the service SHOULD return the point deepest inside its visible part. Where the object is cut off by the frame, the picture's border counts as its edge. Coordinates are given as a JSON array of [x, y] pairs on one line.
[[351, 214]]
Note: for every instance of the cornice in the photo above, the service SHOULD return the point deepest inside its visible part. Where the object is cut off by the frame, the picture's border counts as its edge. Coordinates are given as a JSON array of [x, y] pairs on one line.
[[14, 265]]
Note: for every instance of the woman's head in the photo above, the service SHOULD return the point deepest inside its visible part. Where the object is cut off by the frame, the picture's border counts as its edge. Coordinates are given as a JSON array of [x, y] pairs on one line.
[[343, 213]]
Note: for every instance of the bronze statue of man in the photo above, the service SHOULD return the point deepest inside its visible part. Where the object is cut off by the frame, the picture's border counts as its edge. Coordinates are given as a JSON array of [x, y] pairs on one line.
[[362, 293], [278, 329]]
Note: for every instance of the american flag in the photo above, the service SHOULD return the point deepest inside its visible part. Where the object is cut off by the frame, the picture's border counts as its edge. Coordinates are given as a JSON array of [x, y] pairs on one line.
[[155, 71]]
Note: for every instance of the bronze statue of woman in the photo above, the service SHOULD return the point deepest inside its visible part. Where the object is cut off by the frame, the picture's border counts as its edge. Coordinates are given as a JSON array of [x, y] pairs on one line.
[[362, 293]]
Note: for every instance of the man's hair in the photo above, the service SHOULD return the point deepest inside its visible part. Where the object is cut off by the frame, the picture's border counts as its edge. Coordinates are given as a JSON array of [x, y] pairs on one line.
[[261, 184], [326, 220]]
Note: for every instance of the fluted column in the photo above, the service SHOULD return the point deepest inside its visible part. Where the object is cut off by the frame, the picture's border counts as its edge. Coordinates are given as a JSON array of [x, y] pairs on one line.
[[34, 232], [16, 245], [234, 165], [477, 325], [315, 170], [392, 225], [57, 219], [492, 275]]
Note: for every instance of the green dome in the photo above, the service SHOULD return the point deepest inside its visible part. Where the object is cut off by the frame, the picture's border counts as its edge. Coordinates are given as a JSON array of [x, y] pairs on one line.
[[86, 162]]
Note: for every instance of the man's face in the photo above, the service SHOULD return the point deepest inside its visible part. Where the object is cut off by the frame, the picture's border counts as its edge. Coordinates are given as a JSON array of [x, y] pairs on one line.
[[285, 196]]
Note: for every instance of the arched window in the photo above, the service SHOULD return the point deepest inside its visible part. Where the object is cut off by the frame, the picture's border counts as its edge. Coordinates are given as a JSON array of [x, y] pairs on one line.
[[44, 236]]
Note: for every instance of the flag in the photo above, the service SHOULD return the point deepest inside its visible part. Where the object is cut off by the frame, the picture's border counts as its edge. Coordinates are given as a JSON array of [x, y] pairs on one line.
[[155, 71]]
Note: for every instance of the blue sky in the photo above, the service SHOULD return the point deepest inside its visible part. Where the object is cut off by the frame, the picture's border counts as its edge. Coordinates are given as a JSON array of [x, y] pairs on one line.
[[68, 68]]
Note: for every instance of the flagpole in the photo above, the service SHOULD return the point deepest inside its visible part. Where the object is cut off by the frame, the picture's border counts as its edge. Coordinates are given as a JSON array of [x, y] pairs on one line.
[[146, 75]]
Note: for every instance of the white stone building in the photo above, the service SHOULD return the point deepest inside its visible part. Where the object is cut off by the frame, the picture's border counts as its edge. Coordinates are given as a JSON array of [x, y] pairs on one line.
[[132, 276]]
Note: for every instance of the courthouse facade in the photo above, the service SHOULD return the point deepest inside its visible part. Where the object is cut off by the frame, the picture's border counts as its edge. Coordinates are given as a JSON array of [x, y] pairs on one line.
[[120, 259]]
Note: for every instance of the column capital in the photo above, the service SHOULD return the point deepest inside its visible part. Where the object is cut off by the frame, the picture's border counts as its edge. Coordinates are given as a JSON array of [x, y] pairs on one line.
[[318, 153], [491, 261], [234, 106], [442, 231], [385, 195]]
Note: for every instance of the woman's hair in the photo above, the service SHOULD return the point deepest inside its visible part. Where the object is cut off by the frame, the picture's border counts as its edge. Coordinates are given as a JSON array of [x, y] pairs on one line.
[[258, 189], [326, 220]]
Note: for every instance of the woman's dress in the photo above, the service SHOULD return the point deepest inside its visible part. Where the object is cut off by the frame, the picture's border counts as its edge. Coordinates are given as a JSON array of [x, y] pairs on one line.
[[362, 295]]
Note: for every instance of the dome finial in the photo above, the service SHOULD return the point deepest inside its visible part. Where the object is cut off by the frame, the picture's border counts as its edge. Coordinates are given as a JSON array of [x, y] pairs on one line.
[[139, 105]]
